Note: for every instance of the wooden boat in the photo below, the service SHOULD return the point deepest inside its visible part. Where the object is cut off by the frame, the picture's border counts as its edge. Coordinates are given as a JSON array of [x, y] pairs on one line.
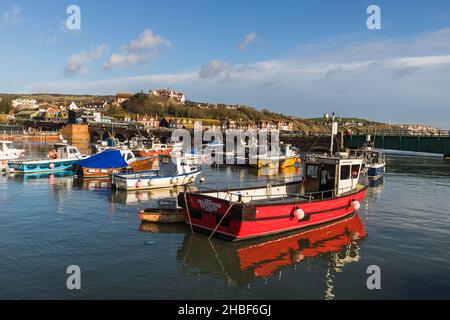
[[329, 191], [113, 161], [61, 158], [185, 173], [162, 215]]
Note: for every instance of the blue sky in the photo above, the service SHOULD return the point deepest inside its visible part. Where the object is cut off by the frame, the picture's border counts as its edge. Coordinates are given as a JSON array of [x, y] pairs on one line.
[[302, 58]]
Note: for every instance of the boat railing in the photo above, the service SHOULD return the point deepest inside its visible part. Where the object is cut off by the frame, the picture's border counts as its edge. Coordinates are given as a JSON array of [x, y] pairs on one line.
[[283, 197]]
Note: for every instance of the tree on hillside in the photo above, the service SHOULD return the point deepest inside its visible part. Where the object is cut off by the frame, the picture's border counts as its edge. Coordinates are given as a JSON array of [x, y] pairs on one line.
[[5, 104]]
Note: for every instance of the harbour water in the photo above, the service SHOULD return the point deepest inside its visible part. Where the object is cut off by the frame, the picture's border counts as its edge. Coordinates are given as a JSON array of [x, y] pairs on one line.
[[50, 222]]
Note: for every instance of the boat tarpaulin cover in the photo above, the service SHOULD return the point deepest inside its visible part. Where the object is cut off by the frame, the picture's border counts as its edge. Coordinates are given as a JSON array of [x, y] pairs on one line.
[[105, 160]]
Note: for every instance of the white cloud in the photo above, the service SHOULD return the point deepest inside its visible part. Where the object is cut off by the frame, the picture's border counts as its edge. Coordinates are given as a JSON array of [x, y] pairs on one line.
[[138, 51], [148, 41], [78, 62], [13, 16], [123, 59], [249, 38], [215, 69]]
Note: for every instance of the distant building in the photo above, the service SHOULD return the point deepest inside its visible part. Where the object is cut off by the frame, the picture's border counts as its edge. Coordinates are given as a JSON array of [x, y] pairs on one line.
[[189, 123], [284, 125], [167, 94], [122, 97], [27, 115], [149, 121], [266, 124], [73, 106], [21, 104]]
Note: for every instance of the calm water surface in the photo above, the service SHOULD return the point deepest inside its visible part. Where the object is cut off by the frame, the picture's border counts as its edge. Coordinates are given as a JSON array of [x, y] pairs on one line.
[[50, 222]]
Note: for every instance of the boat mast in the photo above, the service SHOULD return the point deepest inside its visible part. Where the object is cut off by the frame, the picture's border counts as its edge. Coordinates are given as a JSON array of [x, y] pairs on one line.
[[334, 131]]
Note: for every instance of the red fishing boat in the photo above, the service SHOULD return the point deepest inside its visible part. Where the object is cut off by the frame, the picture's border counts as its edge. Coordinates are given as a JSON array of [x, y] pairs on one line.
[[329, 191]]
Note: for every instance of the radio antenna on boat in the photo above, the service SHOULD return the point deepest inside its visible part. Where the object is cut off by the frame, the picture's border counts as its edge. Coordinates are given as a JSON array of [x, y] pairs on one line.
[[334, 131]]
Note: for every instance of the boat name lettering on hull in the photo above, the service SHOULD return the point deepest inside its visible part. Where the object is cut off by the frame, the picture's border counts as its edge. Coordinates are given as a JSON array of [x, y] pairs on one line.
[[209, 206]]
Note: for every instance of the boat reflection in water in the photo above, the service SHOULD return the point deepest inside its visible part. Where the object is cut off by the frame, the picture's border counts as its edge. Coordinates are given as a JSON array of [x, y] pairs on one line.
[[243, 262], [92, 183], [41, 176], [163, 198]]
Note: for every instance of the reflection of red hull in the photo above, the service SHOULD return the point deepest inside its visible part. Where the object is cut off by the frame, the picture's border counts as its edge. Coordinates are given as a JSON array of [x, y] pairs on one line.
[[244, 261], [266, 258], [151, 153], [251, 220]]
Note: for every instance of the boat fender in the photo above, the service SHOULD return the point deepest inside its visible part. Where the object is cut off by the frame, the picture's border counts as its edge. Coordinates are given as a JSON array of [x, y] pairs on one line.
[[149, 183], [299, 214], [202, 179], [51, 165], [139, 184], [191, 180], [356, 205]]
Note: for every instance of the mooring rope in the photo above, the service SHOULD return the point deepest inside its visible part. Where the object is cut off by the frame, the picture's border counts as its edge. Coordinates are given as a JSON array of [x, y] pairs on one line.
[[221, 220], [187, 209]]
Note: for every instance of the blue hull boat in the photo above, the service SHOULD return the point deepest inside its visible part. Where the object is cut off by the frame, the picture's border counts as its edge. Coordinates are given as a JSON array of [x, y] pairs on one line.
[[61, 158]]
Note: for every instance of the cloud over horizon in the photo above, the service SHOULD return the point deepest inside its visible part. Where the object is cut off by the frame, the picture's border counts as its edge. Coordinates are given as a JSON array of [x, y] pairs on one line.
[[249, 39], [78, 62], [138, 51]]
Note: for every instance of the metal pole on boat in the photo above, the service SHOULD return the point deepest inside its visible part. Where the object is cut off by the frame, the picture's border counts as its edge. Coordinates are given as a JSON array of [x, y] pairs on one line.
[[187, 210]]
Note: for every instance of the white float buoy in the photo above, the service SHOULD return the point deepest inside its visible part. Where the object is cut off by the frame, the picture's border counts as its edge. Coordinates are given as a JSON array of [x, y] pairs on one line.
[[356, 204], [139, 184], [51, 165], [299, 214], [202, 180]]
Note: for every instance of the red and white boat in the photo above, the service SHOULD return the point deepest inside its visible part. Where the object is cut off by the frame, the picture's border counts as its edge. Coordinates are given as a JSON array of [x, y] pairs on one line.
[[329, 191]]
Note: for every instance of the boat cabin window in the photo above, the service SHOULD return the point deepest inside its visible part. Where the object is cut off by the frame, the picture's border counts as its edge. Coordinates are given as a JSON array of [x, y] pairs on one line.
[[355, 171], [320, 180], [345, 172], [73, 150], [127, 156], [312, 171]]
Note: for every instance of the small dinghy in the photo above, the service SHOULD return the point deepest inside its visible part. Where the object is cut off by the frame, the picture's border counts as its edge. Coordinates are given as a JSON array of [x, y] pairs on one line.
[[162, 215]]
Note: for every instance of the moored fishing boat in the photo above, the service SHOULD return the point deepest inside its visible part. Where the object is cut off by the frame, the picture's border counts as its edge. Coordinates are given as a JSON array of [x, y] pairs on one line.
[[7, 153], [61, 158], [374, 163], [186, 173], [113, 161], [156, 149], [329, 191], [162, 215]]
